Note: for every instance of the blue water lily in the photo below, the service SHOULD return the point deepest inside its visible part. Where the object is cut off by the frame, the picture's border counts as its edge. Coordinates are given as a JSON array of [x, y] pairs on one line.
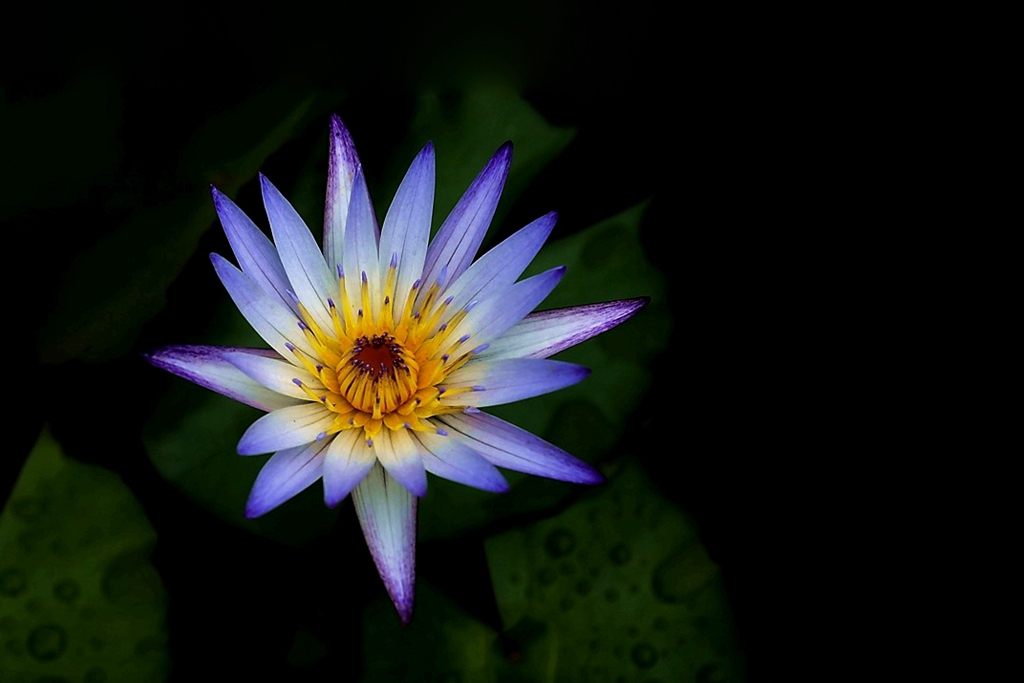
[[385, 345]]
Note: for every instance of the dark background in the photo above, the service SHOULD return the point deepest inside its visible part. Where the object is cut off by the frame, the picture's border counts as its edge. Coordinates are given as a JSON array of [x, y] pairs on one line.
[[677, 111]]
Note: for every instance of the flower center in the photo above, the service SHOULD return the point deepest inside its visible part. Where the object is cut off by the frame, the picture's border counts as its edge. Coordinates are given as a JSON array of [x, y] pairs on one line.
[[376, 373]]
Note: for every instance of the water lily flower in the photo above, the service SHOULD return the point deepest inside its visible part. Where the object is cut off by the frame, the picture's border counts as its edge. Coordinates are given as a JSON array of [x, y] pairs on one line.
[[385, 347]]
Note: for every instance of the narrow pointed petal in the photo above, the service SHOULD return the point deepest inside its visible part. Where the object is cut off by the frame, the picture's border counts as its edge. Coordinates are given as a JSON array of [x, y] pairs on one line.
[[361, 244], [505, 381], [494, 317], [342, 164], [256, 254], [387, 515], [545, 333], [401, 457], [275, 374], [501, 266], [307, 272], [459, 237], [407, 225], [450, 458], [508, 446], [286, 474], [347, 462], [285, 428], [267, 314], [206, 366]]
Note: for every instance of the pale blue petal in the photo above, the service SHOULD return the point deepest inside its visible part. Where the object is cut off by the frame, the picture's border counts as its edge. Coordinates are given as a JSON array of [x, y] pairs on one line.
[[307, 272], [285, 428], [545, 333], [450, 458], [492, 318], [407, 225], [361, 246], [508, 446], [286, 474], [275, 374], [342, 164], [459, 237], [496, 270], [206, 366], [387, 514], [256, 254], [401, 457], [347, 462], [506, 381], [267, 314]]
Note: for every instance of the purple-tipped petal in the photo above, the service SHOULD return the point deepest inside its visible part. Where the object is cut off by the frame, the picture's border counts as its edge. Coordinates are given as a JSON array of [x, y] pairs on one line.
[[307, 272], [286, 474], [346, 463], [407, 224], [387, 514], [459, 237], [496, 270], [450, 458], [342, 164], [206, 366], [508, 446], [505, 381], [267, 314], [361, 245], [400, 456], [274, 374], [494, 317], [256, 254], [545, 333], [285, 428]]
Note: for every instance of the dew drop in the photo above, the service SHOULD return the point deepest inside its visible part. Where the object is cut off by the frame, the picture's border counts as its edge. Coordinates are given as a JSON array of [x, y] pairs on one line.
[[682, 573], [660, 624], [58, 547], [27, 509], [47, 642], [620, 554], [66, 590], [567, 569], [560, 543], [611, 595], [644, 655], [566, 603], [583, 587], [12, 582]]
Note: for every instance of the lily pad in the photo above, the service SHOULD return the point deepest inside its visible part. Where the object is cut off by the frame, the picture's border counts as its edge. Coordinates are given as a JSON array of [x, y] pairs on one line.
[[79, 597], [622, 584]]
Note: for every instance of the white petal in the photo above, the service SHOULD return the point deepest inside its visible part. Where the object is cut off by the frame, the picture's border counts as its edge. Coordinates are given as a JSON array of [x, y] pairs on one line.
[[341, 170], [448, 457], [494, 317], [347, 461], [460, 235], [401, 457], [267, 314], [206, 366], [300, 255], [285, 428], [496, 270], [407, 225], [505, 381], [545, 333], [275, 373], [361, 246], [387, 514], [286, 474], [256, 254], [508, 446]]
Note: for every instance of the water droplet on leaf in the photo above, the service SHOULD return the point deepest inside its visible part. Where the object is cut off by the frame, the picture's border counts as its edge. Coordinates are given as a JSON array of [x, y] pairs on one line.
[[560, 543], [644, 655], [47, 642]]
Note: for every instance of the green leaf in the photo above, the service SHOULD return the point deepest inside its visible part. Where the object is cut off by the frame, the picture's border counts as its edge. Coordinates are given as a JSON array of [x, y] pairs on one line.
[[623, 586], [79, 597]]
